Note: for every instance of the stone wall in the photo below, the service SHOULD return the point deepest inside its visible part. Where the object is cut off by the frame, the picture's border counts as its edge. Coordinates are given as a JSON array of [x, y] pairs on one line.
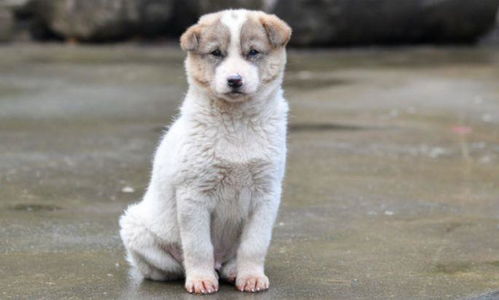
[[6, 24], [314, 22], [361, 22], [492, 37]]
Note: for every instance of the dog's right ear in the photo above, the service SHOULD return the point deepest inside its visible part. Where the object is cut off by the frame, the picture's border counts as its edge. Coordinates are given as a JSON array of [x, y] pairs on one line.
[[189, 41], [277, 30]]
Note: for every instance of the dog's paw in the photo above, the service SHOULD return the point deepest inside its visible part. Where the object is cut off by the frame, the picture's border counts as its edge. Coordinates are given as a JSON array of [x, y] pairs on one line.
[[201, 284], [252, 283], [228, 272]]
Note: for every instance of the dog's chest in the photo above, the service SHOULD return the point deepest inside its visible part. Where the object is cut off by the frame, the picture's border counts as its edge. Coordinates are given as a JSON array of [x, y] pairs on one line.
[[245, 167], [233, 162], [242, 163]]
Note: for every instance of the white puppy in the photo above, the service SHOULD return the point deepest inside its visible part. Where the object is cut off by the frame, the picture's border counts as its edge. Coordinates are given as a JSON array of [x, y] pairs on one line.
[[216, 181]]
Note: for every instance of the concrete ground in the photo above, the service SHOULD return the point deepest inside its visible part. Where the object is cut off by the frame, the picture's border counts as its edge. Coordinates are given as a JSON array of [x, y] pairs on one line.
[[392, 187]]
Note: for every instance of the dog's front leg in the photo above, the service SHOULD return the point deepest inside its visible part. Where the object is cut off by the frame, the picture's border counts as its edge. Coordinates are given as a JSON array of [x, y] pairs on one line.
[[255, 241], [194, 223]]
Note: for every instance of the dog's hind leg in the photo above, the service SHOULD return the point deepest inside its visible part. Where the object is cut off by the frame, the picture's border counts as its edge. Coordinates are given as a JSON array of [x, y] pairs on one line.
[[144, 251], [155, 264]]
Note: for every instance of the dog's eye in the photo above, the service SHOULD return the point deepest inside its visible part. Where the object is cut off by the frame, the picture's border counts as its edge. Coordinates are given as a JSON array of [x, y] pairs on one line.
[[253, 53], [216, 53]]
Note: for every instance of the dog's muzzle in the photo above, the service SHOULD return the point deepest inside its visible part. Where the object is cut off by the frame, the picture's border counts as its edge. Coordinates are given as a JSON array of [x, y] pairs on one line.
[[235, 82]]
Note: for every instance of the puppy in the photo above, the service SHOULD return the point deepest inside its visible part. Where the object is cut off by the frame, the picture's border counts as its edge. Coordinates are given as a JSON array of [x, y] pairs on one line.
[[216, 180]]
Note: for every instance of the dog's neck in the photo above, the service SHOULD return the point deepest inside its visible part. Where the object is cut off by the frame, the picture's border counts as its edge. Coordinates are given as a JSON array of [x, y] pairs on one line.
[[199, 102]]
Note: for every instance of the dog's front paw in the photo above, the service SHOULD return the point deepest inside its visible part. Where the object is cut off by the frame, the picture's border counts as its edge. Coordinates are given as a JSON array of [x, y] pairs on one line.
[[228, 272], [252, 282], [201, 284]]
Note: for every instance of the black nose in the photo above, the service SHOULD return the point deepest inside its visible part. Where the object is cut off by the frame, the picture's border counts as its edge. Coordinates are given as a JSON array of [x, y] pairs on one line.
[[235, 81]]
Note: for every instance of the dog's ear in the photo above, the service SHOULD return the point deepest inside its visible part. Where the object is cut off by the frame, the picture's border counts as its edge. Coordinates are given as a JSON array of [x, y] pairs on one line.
[[278, 32], [189, 41]]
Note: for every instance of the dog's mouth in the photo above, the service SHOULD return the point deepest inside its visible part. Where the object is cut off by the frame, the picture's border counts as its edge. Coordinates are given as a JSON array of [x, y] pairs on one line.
[[235, 94]]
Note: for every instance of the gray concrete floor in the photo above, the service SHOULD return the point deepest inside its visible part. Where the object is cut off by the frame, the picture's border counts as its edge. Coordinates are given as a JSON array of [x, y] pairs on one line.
[[392, 187]]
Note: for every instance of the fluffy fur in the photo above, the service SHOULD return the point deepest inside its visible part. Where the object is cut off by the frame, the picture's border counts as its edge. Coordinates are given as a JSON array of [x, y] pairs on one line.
[[216, 181]]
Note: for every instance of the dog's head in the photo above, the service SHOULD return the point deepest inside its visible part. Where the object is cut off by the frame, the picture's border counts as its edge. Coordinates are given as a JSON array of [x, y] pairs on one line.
[[235, 54]]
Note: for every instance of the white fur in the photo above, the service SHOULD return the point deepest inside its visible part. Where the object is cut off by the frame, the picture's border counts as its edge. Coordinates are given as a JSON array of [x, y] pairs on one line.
[[215, 187], [234, 63]]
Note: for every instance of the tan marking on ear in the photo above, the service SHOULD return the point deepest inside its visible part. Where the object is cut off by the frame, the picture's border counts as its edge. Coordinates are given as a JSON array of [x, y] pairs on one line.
[[277, 30], [189, 41]]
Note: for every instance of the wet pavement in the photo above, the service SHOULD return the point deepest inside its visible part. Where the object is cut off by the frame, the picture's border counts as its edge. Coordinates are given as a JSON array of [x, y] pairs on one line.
[[392, 187]]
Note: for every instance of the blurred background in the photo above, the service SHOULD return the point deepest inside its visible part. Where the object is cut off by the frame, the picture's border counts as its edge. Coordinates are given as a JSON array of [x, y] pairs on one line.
[[315, 23], [392, 182]]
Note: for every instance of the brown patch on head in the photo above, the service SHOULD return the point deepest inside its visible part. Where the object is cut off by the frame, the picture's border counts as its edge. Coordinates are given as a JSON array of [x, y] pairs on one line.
[[208, 35], [268, 35], [254, 36], [189, 40]]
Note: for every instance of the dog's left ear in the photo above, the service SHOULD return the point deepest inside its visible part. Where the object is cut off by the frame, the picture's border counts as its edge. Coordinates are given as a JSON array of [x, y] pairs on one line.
[[189, 41], [277, 30]]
